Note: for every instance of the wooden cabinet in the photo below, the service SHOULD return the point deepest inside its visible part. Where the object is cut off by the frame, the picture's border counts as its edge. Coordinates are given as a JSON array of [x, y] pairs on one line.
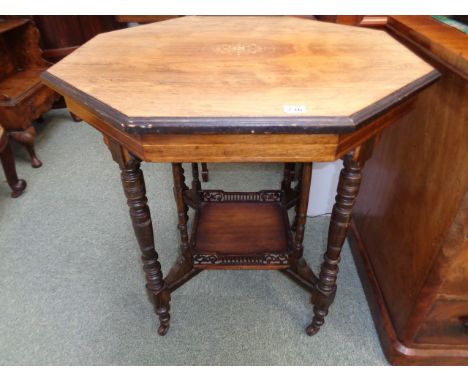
[[61, 35], [23, 98], [410, 225]]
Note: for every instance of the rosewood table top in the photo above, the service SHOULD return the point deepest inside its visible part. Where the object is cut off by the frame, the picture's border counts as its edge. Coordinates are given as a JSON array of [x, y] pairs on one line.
[[240, 75]]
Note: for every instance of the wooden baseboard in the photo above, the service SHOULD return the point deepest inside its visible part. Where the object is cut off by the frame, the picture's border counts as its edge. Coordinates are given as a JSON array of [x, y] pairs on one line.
[[397, 353]]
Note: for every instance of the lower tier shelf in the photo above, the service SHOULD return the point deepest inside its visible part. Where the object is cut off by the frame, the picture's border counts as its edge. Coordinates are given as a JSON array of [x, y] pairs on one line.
[[241, 235]]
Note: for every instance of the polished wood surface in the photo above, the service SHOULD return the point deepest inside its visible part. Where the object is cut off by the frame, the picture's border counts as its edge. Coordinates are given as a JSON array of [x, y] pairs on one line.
[[261, 74], [409, 221], [241, 228]]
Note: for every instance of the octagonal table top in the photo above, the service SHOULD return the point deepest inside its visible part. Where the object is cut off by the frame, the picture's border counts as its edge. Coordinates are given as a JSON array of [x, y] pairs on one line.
[[226, 74]]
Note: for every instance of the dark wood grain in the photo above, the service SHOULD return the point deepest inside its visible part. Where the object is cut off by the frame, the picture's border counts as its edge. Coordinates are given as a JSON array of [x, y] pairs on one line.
[[241, 228]]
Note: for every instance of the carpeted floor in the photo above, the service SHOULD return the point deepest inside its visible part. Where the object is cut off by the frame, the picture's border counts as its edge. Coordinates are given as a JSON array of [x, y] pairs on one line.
[[72, 287]]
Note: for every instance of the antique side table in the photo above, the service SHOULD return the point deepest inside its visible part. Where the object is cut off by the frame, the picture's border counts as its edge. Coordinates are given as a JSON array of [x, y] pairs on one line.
[[240, 89]]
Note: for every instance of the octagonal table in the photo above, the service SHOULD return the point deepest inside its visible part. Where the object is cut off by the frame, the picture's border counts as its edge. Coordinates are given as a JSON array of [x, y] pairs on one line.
[[241, 89]]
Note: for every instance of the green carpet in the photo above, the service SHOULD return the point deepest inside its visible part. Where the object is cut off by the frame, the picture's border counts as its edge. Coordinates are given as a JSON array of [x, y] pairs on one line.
[[72, 286]]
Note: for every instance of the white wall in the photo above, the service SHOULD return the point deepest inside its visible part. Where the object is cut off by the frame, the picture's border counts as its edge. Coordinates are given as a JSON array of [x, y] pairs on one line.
[[323, 187]]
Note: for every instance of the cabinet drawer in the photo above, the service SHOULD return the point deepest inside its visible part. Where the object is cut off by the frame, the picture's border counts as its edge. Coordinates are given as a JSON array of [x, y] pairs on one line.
[[446, 323]]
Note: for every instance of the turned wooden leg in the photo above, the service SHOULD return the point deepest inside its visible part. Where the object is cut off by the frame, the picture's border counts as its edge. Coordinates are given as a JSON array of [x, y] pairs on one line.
[[26, 138], [134, 188], [325, 289], [8, 163], [288, 177], [298, 190], [301, 208], [204, 172], [299, 265], [182, 208], [196, 185]]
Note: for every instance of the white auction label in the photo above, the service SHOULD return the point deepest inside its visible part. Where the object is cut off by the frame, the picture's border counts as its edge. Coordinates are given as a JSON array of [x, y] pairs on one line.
[[294, 109]]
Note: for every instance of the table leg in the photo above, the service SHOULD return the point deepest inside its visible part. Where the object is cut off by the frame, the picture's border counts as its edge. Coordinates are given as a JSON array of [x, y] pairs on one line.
[[196, 185], [287, 177], [182, 209], [134, 188], [299, 266], [298, 190], [204, 172], [182, 270], [325, 289]]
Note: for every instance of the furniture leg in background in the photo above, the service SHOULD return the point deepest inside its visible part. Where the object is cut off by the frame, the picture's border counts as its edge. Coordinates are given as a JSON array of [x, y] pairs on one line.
[[27, 138], [8, 163]]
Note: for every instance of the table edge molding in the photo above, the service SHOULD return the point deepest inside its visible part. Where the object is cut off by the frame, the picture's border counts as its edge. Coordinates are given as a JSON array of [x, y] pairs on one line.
[[240, 125]]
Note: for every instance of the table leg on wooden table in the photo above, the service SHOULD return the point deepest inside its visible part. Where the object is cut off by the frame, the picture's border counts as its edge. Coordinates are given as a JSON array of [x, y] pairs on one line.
[[291, 195], [288, 177], [196, 185], [205, 172], [182, 271], [325, 289], [134, 187], [299, 271], [298, 191]]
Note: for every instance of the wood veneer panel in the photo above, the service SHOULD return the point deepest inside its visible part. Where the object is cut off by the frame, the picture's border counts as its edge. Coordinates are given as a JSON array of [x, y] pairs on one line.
[[411, 189], [240, 148], [455, 255], [19, 85]]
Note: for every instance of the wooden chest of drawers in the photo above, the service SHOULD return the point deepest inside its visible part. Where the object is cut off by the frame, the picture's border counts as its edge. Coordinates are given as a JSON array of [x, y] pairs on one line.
[[410, 228]]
